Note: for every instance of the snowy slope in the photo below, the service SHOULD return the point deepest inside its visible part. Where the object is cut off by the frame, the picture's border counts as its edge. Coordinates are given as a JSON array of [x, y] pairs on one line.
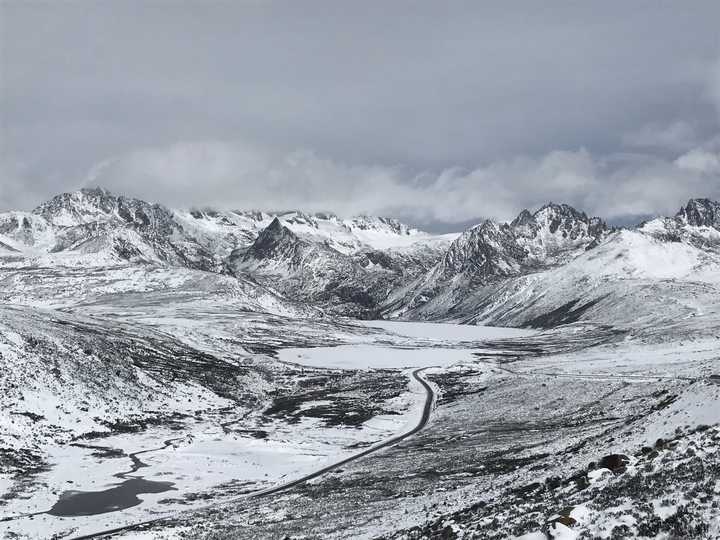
[[123, 285], [57, 367], [631, 280]]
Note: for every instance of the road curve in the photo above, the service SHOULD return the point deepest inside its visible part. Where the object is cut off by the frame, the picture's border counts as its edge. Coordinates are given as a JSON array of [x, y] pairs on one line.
[[427, 409]]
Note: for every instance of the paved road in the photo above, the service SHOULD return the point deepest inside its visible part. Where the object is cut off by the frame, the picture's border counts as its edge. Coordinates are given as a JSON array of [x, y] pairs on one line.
[[427, 409]]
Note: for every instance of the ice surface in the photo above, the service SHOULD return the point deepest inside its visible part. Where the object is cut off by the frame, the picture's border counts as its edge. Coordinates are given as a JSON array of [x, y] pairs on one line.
[[373, 357]]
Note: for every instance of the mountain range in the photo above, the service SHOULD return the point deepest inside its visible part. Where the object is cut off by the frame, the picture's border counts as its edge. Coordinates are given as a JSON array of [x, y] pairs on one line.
[[554, 263]]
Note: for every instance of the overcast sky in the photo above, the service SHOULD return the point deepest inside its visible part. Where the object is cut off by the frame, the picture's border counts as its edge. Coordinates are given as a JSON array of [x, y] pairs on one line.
[[432, 111]]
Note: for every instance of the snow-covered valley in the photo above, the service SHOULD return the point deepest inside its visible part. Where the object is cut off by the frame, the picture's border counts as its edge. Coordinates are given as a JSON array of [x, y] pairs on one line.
[[172, 374]]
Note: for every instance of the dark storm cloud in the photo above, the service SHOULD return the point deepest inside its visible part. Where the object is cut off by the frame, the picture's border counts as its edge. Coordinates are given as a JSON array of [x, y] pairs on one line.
[[444, 111]]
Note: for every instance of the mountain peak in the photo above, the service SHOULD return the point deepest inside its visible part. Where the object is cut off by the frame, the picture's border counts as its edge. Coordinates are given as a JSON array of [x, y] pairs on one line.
[[561, 209], [557, 218], [274, 239], [98, 205], [379, 223], [524, 218], [700, 213], [81, 206], [488, 249], [275, 227]]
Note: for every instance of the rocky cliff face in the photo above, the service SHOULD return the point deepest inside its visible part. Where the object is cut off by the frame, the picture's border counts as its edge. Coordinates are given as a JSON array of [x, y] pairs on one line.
[[489, 249], [697, 224], [700, 213], [314, 272], [556, 233], [276, 242], [553, 234]]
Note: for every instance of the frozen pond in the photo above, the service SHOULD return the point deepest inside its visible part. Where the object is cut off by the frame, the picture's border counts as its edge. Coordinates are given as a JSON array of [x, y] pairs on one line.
[[120, 497]]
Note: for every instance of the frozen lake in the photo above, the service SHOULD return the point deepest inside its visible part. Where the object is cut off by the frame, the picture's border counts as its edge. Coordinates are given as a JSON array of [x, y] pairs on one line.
[[369, 356], [374, 356]]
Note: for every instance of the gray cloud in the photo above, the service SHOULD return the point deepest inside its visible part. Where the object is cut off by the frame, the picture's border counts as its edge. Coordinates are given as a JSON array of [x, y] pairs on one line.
[[714, 86], [675, 137], [388, 102]]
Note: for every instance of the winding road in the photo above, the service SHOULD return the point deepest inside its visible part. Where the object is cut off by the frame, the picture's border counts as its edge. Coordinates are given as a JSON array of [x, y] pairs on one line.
[[427, 410]]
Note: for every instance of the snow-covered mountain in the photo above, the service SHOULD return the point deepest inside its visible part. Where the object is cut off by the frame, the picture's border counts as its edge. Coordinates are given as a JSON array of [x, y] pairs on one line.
[[491, 251], [297, 266], [350, 264], [665, 271], [94, 226], [700, 213], [308, 270], [696, 223], [506, 273], [556, 233]]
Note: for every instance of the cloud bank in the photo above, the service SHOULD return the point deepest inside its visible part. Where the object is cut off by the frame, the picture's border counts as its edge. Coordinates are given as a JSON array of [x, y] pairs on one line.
[[240, 175]]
